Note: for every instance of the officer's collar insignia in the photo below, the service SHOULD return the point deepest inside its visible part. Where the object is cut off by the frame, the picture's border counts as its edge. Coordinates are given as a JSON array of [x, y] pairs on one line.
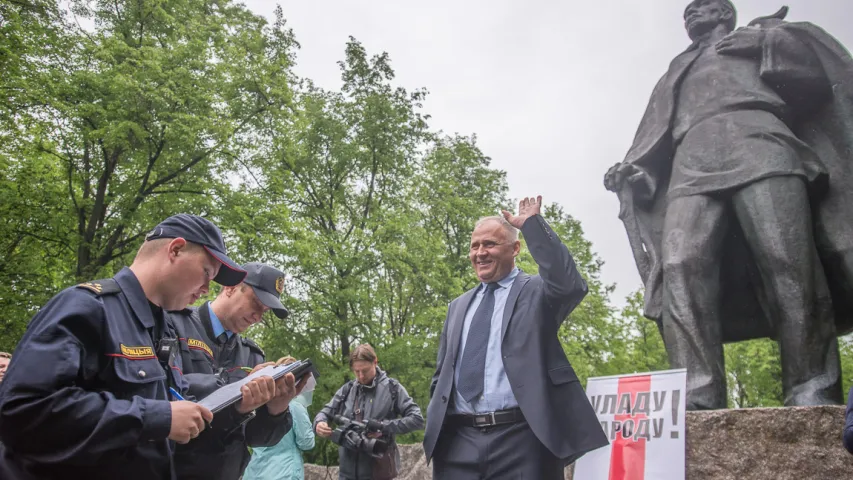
[[136, 353], [279, 285], [95, 287], [199, 345]]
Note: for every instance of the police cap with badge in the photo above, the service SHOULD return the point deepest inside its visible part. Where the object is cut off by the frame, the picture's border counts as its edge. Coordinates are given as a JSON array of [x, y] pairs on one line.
[[268, 284]]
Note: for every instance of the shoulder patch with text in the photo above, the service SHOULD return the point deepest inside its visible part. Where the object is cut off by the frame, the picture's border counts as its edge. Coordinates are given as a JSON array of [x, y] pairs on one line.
[[136, 353], [199, 345]]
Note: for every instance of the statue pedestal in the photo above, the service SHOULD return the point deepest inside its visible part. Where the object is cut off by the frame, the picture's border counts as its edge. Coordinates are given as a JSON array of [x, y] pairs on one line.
[[798, 443]]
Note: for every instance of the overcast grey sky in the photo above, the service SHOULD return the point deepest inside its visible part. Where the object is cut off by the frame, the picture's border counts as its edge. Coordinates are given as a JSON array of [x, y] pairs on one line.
[[554, 90]]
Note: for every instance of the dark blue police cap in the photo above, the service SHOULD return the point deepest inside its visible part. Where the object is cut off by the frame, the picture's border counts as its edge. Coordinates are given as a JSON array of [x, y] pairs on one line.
[[200, 231], [267, 283]]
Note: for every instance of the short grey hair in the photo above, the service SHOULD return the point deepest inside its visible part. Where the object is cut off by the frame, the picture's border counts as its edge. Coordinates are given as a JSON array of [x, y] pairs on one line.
[[511, 231]]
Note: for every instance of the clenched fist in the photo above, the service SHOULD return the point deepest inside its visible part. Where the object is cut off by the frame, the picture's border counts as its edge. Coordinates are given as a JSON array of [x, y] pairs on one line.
[[187, 420]]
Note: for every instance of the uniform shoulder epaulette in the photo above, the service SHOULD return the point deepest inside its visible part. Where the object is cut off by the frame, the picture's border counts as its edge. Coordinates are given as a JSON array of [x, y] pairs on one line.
[[107, 286], [254, 346]]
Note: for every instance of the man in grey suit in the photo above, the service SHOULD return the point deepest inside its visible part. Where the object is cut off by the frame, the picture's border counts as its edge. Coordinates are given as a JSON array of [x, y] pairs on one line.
[[504, 400]]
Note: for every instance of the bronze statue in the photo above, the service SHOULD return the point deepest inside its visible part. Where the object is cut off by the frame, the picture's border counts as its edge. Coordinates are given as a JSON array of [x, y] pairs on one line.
[[737, 196]]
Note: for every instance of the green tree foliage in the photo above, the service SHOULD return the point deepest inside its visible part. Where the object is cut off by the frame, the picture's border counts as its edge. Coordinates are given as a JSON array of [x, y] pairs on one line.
[[28, 30], [754, 374], [142, 114], [639, 345], [32, 263], [846, 346], [111, 128]]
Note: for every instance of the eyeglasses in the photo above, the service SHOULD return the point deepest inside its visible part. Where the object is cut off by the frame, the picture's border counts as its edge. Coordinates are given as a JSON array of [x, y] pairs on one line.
[[487, 245]]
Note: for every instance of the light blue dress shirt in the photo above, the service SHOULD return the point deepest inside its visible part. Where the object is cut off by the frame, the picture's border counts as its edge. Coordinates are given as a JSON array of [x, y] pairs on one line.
[[217, 325], [497, 393]]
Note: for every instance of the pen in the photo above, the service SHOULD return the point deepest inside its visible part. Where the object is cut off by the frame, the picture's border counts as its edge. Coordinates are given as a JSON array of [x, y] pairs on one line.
[[175, 393]]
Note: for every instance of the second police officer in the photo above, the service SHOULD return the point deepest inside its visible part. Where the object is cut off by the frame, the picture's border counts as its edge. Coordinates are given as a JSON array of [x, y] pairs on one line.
[[214, 354]]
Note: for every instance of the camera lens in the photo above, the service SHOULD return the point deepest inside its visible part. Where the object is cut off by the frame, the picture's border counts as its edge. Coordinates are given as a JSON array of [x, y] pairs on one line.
[[374, 447]]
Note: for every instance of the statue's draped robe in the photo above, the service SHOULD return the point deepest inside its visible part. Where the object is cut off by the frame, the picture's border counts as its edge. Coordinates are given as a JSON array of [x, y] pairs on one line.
[[824, 122]]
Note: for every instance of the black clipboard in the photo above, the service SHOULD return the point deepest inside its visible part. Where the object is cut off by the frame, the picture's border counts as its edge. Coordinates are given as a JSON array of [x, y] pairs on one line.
[[230, 394]]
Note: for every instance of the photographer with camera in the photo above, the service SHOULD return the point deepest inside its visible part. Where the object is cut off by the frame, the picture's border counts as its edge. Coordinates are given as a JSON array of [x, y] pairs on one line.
[[369, 413]]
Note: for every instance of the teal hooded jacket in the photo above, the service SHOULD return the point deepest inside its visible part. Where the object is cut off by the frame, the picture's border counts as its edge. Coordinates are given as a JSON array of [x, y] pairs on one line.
[[284, 460]]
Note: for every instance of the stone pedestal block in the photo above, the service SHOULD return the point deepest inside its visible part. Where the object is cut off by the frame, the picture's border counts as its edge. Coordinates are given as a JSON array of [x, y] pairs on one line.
[[799, 443]]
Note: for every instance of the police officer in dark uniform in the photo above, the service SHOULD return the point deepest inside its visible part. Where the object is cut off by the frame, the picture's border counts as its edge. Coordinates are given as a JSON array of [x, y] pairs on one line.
[[87, 392], [214, 354]]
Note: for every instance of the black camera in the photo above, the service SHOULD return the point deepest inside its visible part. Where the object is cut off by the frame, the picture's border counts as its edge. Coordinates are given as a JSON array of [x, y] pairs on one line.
[[352, 434]]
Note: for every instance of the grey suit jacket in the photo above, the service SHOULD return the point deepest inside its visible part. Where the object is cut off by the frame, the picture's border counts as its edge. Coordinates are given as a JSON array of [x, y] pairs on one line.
[[541, 377]]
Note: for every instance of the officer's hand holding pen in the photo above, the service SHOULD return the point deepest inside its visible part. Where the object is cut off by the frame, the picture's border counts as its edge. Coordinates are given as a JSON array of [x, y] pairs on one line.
[[188, 420]]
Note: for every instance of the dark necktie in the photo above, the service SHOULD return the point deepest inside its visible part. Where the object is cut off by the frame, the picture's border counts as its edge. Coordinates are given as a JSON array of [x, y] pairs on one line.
[[472, 371]]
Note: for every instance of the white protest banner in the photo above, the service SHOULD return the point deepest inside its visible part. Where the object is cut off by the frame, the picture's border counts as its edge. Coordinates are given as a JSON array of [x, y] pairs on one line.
[[643, 416]]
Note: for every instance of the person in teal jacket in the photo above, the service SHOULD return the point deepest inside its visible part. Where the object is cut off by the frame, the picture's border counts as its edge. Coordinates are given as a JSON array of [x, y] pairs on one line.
[[284, 460]]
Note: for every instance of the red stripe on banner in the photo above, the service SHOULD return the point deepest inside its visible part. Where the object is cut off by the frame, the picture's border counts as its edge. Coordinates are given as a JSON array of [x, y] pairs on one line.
[[628, 456]]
